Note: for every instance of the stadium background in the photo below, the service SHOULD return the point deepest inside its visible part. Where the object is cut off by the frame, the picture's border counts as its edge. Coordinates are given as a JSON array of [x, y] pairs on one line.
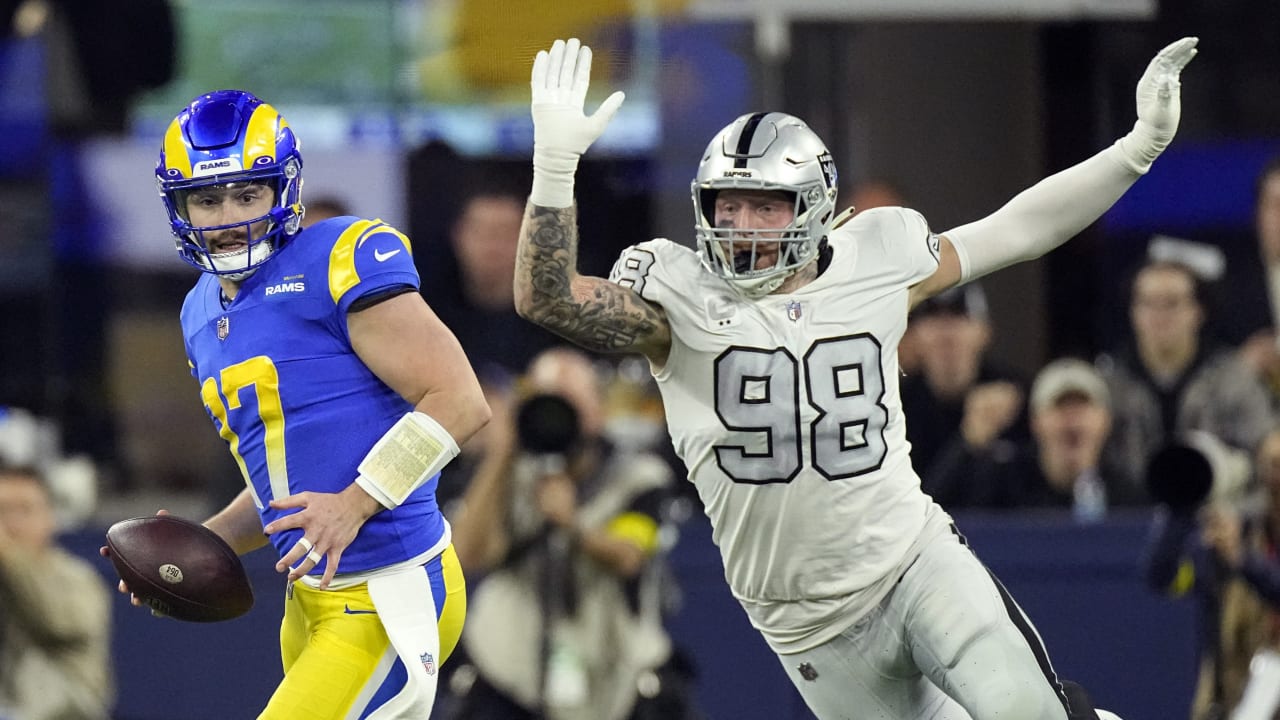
[[962, 103]]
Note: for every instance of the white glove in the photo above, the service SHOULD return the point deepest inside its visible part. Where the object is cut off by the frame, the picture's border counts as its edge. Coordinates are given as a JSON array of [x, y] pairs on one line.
[[1159, 106], [561, 131]]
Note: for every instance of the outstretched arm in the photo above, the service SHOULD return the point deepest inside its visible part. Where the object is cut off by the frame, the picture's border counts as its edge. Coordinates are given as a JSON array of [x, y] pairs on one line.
[[1054, 210], [590, 311]]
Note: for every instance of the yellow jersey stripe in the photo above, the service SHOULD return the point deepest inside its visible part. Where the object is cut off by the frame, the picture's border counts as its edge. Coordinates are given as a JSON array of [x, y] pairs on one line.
[[384, 228], [342, 260]]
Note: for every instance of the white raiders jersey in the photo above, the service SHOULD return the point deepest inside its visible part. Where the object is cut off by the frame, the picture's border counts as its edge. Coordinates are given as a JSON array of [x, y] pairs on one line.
[[786, 411]]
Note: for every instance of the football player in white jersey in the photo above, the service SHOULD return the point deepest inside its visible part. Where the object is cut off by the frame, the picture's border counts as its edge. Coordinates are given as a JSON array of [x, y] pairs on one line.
[[775, 348]]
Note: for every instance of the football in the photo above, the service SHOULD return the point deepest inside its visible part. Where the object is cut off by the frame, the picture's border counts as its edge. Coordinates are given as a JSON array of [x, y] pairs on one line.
[[179, 568]]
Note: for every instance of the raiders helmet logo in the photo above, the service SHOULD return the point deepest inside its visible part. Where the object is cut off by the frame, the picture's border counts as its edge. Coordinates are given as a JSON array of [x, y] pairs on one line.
[[828, 166]]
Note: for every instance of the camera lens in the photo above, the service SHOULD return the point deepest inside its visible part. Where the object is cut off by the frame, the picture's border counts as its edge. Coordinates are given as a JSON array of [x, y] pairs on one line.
[[1179, 476], [547, 424]]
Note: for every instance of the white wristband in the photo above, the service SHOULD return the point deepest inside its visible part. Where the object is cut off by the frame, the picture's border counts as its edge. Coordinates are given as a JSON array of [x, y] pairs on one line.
[[553, 172], [407, 455], [1142, 146]]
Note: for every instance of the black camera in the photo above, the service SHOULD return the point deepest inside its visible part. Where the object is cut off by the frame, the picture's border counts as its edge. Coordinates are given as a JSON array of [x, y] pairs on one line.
[[1186, 472], [547, 424]]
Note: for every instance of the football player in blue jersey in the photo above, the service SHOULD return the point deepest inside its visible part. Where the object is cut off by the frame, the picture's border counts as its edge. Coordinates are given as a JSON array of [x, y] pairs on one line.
[[341, 396]]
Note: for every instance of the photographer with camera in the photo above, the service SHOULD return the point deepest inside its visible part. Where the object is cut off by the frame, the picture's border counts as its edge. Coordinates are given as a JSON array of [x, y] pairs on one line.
[[567, 621], [1208, 542]]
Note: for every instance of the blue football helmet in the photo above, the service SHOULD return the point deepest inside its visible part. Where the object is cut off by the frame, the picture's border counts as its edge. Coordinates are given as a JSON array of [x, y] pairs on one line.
[[222, 138]]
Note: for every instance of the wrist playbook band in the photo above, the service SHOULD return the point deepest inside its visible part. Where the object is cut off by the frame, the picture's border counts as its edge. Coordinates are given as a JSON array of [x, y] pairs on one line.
[[407, 455]]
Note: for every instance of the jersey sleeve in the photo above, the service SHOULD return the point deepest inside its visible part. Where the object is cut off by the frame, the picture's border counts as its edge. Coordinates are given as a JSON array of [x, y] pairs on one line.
[[662, 272], [189, 320], [369, 257], [906, 243]]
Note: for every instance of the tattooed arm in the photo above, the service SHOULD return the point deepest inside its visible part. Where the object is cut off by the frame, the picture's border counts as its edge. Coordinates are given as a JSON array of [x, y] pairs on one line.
[[590, 311]]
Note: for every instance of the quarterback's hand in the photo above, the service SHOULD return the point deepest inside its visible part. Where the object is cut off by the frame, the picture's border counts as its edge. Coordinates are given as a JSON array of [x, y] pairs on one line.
[[1159, 100], [134, 600], [329, 522], [561, 130]]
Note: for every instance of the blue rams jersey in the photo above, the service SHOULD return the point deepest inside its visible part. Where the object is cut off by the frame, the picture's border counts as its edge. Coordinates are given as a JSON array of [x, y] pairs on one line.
[[288, 393]]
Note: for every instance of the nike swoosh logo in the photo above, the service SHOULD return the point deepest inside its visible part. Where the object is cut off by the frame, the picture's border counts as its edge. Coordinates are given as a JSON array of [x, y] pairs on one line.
[[347, 608], [383, 257]]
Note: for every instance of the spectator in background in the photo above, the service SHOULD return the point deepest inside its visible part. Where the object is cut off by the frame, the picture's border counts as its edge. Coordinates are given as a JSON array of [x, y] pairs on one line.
[[55, 613], [29, 440], [324, 208], [484, 318], [957, 389], [1261, 352], [1070, 416], [1171, 381], [568, 619], [1228, 561]]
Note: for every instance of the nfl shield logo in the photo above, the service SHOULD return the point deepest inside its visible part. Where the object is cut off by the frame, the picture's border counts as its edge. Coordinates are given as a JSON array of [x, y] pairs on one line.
[[428, 663], [224, 327], [793, 311]]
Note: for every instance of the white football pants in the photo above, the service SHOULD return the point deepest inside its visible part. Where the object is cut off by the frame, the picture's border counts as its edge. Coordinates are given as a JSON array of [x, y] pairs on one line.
[[947, 643]]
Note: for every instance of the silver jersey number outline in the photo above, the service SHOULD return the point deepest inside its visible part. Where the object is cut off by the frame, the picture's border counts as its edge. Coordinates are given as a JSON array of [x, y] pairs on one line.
[[758, 391]]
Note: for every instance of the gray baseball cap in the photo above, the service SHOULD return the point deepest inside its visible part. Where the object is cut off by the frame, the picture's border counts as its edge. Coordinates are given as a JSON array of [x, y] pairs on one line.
[[1068, 375]]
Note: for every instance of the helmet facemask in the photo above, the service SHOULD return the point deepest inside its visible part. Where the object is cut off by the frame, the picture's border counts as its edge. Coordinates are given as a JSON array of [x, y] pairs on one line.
[[281, 221], [764, 152], [733, 253]]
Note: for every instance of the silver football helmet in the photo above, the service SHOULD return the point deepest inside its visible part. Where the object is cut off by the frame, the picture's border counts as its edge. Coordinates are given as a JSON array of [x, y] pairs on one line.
[[764, 151]]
